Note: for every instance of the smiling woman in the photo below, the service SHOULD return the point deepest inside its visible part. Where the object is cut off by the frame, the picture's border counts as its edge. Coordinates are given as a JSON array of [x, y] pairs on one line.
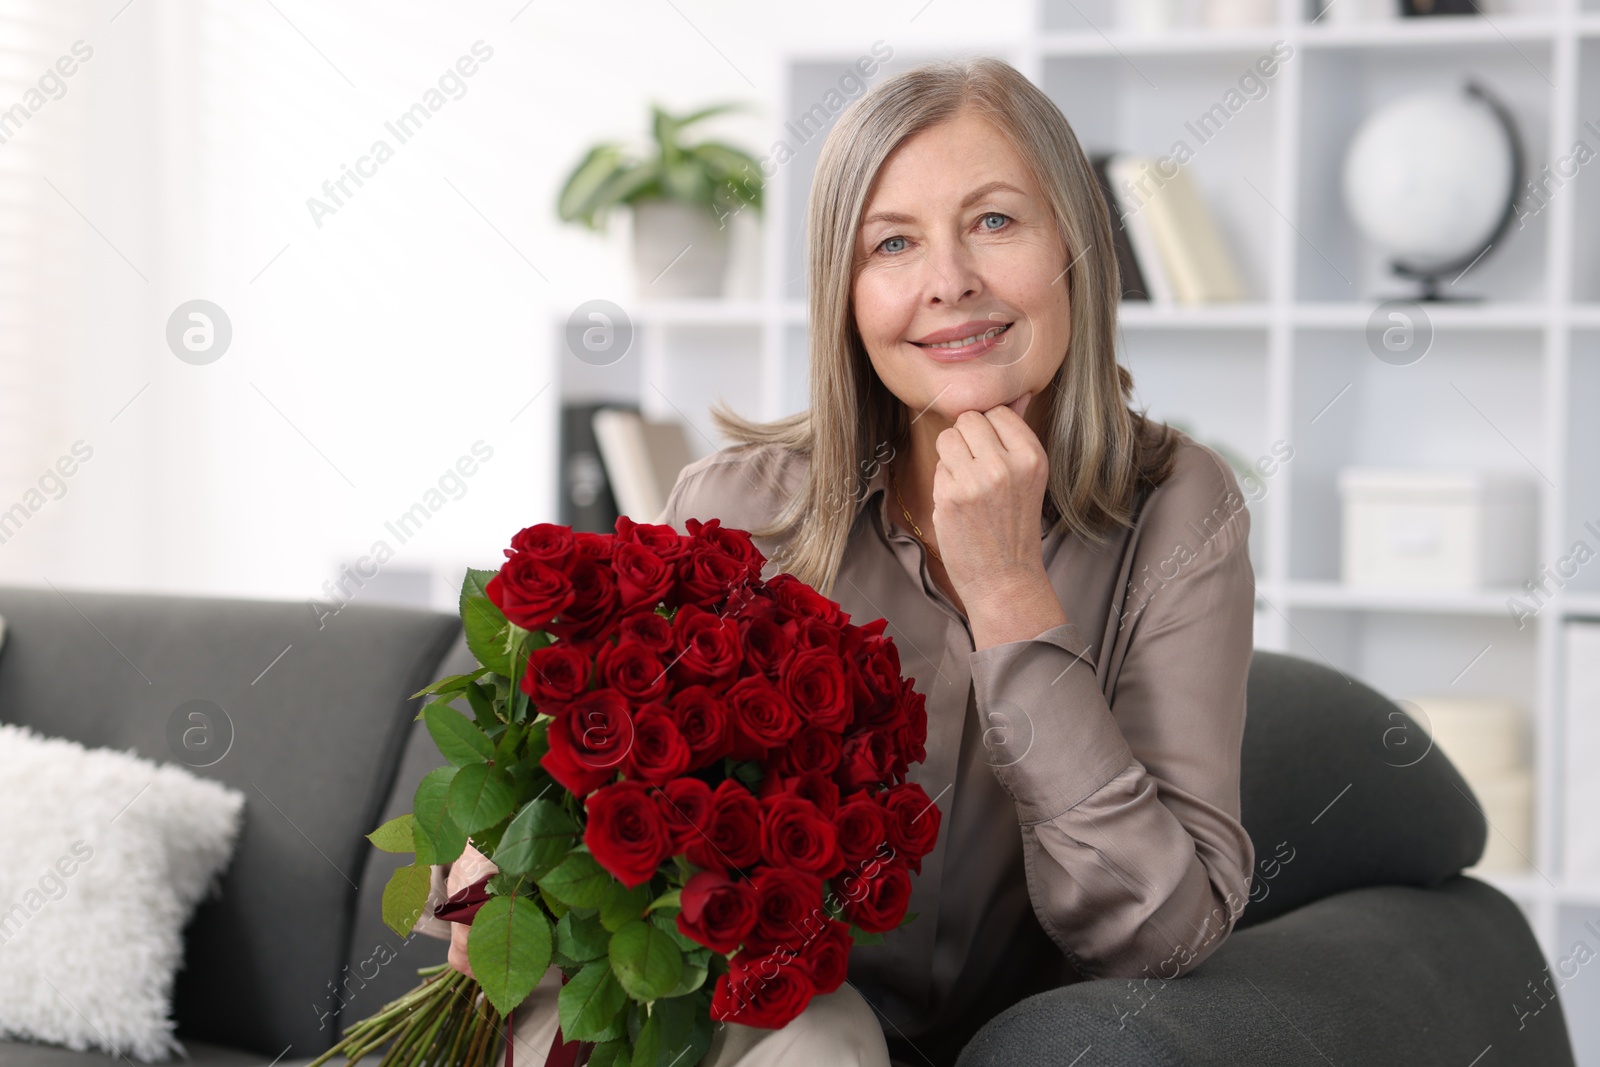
[[970, 471]]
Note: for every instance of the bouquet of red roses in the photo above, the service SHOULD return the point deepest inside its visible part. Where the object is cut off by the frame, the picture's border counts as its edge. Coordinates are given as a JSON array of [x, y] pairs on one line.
[[691, 781]]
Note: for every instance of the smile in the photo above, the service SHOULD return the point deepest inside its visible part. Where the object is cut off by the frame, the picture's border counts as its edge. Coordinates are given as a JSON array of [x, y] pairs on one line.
[[977, 344]]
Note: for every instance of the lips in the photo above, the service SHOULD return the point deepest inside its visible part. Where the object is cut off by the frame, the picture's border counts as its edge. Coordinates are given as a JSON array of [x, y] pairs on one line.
[[961, 336]]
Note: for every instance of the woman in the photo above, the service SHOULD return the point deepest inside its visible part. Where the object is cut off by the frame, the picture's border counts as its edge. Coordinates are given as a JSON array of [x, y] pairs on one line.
[[1067, 582]]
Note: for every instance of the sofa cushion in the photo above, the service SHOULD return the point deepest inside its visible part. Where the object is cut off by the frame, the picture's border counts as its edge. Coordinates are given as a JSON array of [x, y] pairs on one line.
[[105, 857], [1339, 789], [306, 716]]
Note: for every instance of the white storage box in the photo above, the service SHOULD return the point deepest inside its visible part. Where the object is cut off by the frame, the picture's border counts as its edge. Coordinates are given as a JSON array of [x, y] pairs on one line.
[[1436, 529], [1487, 741]]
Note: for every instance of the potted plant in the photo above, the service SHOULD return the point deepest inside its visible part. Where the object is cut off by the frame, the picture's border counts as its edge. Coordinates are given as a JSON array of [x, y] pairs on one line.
[[681, 195]]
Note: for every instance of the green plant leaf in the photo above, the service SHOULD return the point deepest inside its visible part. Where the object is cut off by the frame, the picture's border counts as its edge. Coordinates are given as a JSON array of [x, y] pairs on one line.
[[404, 897], [861, 937], [508, 945], [394, 835], [685, 1023], [458, 738], [611, 1054], [537, 839], [578, 880], [439, 839], [480, 796], [486, 630], [506, 745], [453, 684], [580, 937], [480, 698], [667, 900], [588, 1004], [647, 962], [694, 976], [667, 922], [621, 905]]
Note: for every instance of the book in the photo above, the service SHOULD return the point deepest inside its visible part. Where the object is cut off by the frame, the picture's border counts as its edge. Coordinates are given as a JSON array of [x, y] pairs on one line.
[[1580, 750], [1124, 173], [1133, 283], [586, 501], [1183, 234], [642, 460]]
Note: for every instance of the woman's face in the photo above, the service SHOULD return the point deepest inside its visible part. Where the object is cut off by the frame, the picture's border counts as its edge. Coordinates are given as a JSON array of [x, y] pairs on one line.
[[968, 245]]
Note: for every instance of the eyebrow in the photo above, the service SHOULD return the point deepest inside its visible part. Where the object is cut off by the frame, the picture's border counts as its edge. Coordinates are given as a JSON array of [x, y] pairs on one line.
[[977, 194]]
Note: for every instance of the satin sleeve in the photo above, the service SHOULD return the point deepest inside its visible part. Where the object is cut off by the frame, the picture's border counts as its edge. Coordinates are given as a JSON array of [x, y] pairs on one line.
[[1137, 863]]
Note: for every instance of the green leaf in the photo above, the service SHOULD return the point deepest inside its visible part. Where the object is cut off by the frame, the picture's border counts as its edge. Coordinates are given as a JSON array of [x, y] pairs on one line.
[[622, 905], [667, 922], [578, 880], [667, 900], [861, 937], [694, 976], [439, 839], [508, 945], [453, 684], [580, 937], [647, 1045], [480, 699], [394, 835], [537, 839], [480, 796], [681, 1019], [458, 739], [404, 897], [647, 962], [588, 1004], [486, 631], [505, 747], [610, 1054]]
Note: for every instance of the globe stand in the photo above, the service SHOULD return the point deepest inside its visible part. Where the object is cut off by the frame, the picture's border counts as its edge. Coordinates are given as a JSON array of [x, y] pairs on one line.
[[1429, 276]]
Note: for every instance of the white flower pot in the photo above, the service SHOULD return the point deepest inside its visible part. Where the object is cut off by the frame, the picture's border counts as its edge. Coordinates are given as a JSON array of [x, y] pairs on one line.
[[678, 250]]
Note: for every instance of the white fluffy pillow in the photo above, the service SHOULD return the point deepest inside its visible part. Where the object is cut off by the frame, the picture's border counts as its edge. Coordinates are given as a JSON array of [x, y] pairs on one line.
[[103, 858]]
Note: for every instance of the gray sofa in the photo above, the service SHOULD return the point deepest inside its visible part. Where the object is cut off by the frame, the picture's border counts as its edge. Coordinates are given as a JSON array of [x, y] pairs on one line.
[[1368, 947]]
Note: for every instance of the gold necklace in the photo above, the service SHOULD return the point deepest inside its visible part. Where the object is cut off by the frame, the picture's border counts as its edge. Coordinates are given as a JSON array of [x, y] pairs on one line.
[[912, 522]]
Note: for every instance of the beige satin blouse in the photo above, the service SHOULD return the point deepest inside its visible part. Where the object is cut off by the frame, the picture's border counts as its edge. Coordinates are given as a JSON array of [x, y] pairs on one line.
[[1088, 778]]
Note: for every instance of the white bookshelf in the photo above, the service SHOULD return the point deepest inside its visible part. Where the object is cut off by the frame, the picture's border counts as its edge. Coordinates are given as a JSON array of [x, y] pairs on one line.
[[1269, 369]]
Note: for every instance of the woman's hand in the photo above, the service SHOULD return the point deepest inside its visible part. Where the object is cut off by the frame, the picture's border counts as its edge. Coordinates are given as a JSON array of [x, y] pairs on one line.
[[988, 495]]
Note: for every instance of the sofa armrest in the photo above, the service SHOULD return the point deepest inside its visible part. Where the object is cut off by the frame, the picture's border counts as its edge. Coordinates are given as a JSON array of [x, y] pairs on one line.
[[1382, 975]]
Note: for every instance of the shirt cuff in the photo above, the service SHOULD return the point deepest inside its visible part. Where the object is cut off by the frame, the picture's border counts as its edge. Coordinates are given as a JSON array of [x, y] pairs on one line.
[[1050, 736]]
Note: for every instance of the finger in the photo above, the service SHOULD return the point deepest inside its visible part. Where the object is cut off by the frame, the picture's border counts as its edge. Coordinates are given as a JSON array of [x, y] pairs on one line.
[[979, 434], [953, 448], [1011, 429]]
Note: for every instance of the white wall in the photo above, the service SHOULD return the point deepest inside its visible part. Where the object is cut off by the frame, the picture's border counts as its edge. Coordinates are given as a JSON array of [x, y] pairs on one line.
[[376, 348]]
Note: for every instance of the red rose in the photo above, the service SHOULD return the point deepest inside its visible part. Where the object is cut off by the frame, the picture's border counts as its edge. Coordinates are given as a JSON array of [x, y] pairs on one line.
[[711, 650], [802, 601], [789, 906], [813, 680], [659, 753], [685, 805], [827, 955], [648, 629], [816, 788], [869, 758], [816, 634], [556, 673], [632, 670], [730, 542], [594, 602], [811, 751], [594, 546], [795, 834], [625, 833], [546, 542], [765, 991], [660, 538], [588, 741], [859, 822], [911, 821], [706, 575], [643, 578], [703, 722], [733, 833], [717, 911], [529, 593], [762, 717], [876, 899], [766, 644]]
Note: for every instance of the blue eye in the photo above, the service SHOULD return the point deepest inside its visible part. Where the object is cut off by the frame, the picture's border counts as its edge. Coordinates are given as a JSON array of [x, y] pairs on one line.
[[996, 215], [886, 240]]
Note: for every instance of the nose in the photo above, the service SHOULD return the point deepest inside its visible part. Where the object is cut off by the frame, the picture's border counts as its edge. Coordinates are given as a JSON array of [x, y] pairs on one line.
[[952, 273]]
